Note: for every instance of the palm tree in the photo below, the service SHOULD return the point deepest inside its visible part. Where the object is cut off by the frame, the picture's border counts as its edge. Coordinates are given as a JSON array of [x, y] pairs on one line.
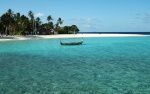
[[10, 12], [49, 18], [5, 22], [1, 27], [38, 21], [17, 23], [10, 20], [31, 15], [59, 22], [75, 29], [10, 23], [24, 23]]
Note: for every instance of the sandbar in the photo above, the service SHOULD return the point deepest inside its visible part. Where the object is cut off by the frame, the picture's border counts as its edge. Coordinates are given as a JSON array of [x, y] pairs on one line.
[[28, 37]]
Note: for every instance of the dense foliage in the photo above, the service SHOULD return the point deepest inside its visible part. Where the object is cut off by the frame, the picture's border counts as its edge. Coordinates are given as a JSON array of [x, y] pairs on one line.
[[16, 24]]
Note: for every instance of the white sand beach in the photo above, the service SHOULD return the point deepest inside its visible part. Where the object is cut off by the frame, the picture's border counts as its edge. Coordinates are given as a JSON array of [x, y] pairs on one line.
[[20, 37]]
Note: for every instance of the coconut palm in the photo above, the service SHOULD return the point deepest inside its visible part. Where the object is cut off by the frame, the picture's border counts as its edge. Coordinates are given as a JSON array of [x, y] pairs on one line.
[[5, 22], [10, 20], [10, 12], [17, 23], [59, 22], [24, 23], [49, 18], [75, 29], [1, 27], [31, 15], [38, 21]]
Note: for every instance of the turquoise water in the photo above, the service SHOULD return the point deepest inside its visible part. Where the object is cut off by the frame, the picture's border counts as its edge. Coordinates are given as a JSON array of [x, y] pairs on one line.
[[99, 66]]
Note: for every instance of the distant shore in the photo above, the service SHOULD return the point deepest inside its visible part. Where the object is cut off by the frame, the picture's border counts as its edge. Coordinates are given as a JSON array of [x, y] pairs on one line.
[[28, 37]]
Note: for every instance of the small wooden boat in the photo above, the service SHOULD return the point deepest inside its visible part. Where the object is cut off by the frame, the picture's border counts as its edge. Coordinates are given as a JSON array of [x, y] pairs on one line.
[[72, 43]]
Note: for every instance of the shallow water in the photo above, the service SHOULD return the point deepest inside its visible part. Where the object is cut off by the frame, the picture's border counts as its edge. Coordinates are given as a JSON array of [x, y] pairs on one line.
[[115, 65]]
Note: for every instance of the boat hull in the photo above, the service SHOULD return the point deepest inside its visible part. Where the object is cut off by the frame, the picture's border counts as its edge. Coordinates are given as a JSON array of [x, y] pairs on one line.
[[71, 43]]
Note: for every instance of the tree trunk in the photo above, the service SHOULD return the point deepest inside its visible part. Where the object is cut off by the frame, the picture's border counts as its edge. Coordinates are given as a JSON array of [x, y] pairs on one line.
[[6, 31]]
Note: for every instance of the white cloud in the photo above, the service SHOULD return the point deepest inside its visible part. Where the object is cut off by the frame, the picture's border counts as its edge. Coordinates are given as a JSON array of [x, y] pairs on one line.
[[77, 19], [138, 14], [86, 25], [146, 18], [143, 18], [88, 19], [85, 20], [39, 15]]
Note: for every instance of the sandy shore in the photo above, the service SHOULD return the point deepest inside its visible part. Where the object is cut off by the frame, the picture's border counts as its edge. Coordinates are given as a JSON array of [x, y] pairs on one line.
[[18, 37]]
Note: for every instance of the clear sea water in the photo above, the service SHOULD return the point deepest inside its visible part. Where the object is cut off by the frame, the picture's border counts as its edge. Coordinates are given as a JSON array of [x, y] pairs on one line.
[[114, 65]]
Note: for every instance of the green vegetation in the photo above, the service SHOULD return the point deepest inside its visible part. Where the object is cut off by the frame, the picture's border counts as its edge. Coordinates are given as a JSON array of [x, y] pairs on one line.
[[16, 24]]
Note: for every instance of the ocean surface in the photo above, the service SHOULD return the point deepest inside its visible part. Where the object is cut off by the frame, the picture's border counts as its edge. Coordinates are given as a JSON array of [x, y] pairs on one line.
[[143, 33], [108, 65]]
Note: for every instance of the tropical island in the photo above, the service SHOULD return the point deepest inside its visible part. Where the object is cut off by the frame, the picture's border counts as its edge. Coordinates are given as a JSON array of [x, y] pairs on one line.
[[18, 24]]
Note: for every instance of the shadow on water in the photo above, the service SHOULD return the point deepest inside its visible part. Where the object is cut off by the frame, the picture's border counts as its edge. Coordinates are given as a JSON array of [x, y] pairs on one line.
[[7, 37]]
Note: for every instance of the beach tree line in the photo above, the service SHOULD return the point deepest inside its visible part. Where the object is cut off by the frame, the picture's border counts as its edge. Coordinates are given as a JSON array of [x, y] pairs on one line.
[[16, 24]]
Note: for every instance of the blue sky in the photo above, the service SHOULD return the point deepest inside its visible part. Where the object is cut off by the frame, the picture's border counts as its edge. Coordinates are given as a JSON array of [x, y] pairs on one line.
[[88, 15]]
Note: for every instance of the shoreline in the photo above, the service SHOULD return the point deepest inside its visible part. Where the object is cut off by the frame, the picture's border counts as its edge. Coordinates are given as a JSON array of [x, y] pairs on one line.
[[29, 37]]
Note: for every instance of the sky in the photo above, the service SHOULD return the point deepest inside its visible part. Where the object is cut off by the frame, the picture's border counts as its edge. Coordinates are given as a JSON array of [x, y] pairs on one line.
[[88, 15]]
